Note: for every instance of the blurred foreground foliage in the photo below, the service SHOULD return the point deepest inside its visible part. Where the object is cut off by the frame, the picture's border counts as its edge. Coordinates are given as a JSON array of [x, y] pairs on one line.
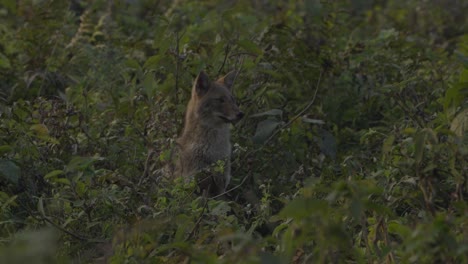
[[354, 148]]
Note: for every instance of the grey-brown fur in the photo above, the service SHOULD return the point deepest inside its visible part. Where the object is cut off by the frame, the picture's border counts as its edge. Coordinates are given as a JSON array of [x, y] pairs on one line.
[[205, 139]]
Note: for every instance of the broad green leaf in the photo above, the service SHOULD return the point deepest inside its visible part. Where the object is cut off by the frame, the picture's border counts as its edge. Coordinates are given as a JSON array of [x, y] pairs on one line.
[[10, 171], [53, 174], [281, 226], [4, 62], [249, 46], [11, 5], [288, 242], [464, 79], [152, 62], [40, 129], [4, 196], [184, 225], [378, 208], [149, 84], [387, 144], [409, 130], [42, 132], [132, 63], [8, 201], [301, 208], [395, 227], [81, 163], [459, 124], [455, 96], [5, 149], [64, 181], [80, 188]]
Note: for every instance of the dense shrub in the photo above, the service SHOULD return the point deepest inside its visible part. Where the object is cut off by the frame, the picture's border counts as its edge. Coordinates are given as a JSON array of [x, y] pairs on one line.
[[354, 147]]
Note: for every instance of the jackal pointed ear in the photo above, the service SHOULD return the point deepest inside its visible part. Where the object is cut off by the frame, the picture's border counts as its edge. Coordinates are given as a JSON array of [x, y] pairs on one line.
[[202, 83], [228, 79]]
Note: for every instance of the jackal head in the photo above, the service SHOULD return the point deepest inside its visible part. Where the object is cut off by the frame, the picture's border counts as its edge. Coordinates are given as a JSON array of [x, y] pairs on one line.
[[213, 100]]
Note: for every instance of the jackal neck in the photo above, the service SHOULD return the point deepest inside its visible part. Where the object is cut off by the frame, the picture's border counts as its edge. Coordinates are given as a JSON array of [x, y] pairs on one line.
[[196, 129]]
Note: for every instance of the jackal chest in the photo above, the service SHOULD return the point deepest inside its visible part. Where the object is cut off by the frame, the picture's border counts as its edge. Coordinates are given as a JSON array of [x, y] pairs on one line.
[[210, 151]]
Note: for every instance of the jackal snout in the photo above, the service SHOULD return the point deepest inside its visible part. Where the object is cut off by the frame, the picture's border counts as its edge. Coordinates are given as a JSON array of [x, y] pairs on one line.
[[229, 111]]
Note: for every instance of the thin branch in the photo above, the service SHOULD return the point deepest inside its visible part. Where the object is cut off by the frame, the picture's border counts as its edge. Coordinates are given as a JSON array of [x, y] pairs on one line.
[[177, 54], [232, 189], [63, 229], [198, 221], [300, 113], [226, 53], [57, 226], [177, 69]]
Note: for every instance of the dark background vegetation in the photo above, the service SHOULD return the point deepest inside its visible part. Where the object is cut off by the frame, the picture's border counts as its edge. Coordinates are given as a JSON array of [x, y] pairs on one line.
[[353, 150]]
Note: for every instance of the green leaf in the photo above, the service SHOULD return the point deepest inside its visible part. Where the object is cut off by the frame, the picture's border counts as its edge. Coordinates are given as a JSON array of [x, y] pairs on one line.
[[5, 149], [409, 130], [53, 174], [149, 84], [459, 124], [395, 227], [81, 163], [387, 144], [132, 63], [281, 226], [456, 93], [301, 208], [40, 129], [80, 188], [4, 62], [249, 46], [152, 62], [8, 200], [464, 79], [64, 181], [10, 5], [10, 171]]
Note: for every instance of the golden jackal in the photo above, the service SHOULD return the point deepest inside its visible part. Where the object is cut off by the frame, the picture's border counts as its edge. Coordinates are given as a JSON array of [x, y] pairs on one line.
[[205, 139]]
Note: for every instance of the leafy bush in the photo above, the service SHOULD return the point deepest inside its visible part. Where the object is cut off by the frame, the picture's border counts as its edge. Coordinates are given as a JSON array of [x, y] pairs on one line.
[[354, 148]]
